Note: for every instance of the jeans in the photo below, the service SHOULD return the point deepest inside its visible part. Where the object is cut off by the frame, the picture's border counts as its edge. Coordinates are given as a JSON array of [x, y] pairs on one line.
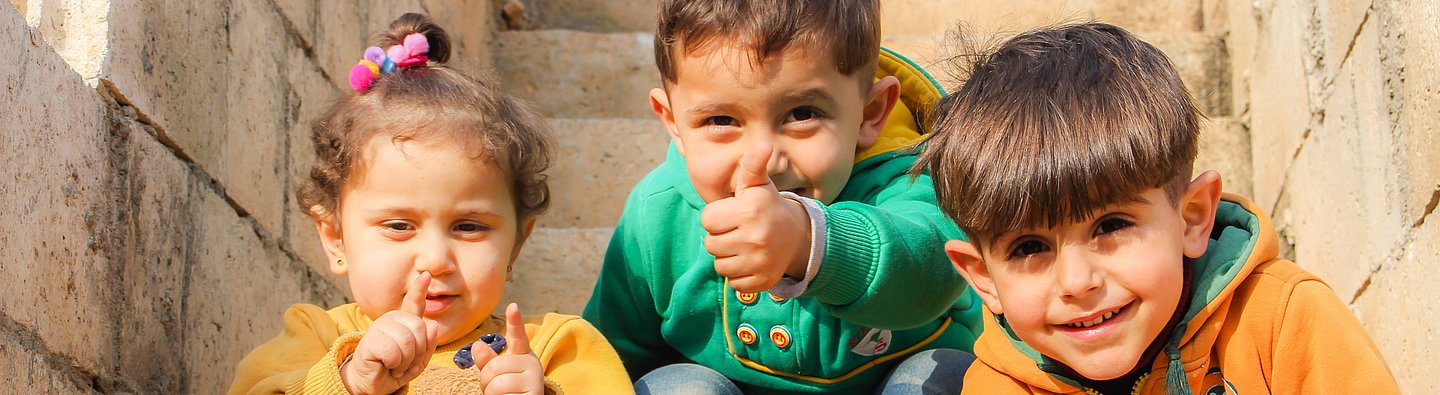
[[938, 371]]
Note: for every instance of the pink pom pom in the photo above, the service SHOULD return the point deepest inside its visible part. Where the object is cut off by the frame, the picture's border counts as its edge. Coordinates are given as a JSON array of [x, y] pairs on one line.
[[361, 77], [417, 44], [397, 53]]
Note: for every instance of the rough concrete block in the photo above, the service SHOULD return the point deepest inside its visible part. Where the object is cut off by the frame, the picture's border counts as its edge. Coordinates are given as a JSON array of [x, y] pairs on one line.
[[1342, 20], [1399, 308], [1201, 60], [593, 16], [25, 368], [569, 74], [1280, 97], [240, 285], [312, 94], [69, 26], [1241, 25], [557, 270], [154, 221], [1225, 148], [248, 158], [1418, 49], [929, 52], [926, 17], [56, 176], [1341, 183], [598, 162], [471, 25]]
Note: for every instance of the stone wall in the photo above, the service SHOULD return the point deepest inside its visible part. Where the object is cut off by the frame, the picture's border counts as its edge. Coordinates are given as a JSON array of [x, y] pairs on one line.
[[151, 151], [155, 146], [1341, 100]]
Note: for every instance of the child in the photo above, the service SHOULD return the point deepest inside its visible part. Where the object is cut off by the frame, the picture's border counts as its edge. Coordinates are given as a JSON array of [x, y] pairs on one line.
[[782, 247], [1066, 157], [426, 186]]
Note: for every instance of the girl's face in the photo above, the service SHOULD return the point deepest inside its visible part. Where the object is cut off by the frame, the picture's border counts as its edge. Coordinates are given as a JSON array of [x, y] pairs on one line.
[[425, 206]]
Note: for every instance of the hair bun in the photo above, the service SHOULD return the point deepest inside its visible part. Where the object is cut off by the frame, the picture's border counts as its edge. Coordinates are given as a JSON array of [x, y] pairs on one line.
[[412, 23]]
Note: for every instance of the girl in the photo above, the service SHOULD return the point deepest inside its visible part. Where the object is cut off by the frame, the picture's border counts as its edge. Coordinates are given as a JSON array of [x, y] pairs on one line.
[[426, 185]]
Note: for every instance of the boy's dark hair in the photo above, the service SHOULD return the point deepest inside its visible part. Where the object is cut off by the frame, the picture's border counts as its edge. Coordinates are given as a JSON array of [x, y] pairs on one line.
[[1057, 123], [848, 29], [437, 102]]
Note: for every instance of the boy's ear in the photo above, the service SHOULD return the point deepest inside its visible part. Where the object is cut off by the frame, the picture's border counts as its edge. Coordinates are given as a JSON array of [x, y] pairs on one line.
[[1197, 208], [971, 265], [878, 104], [523, 234], [327, 226], [660, 104]]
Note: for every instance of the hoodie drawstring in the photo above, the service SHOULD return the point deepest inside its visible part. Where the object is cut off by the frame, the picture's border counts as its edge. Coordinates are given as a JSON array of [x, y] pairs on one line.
[[1175, 382]]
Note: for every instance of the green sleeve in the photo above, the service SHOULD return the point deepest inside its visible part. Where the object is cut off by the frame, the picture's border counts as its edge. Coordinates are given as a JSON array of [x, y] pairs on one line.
[[622, 305], [885, 263]]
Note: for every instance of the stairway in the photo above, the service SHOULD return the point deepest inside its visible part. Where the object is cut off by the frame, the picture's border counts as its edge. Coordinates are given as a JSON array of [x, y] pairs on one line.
[[588, 66]]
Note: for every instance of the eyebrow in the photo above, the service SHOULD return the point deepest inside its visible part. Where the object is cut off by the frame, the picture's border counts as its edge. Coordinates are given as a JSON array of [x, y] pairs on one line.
[[809, 95], [713, 108]]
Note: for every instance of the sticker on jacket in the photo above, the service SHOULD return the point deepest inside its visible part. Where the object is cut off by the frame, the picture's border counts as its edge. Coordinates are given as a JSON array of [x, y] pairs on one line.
[[870, 342]]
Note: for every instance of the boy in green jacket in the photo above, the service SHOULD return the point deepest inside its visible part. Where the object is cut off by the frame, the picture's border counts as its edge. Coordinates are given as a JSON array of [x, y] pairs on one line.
[[782, 247]]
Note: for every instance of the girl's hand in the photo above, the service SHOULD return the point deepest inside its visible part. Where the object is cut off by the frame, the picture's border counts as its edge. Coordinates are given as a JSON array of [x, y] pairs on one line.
[[395, 349], [517, 370]]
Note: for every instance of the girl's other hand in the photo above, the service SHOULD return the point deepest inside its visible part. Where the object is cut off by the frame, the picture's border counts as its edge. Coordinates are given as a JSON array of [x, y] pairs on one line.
[[517, 370]]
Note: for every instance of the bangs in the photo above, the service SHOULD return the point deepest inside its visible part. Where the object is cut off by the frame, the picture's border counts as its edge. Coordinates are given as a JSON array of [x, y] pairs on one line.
[[1056, 125]]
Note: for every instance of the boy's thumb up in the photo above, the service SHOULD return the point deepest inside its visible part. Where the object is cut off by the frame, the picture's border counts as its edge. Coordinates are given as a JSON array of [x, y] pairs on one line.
[[518, 342], [754, 169]]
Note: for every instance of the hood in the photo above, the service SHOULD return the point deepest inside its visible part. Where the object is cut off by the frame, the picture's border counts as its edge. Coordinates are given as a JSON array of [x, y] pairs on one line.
[[1241, 240], [918, 92]]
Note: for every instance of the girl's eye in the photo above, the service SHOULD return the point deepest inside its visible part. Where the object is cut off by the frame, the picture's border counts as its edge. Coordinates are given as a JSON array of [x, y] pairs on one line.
[[470, 227], [721, 120], [1111, 225], [1027, 248], [398, 226], [802, 114]]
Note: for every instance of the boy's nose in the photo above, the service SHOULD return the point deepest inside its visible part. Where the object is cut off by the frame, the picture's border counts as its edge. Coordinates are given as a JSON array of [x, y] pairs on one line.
[[1076, 275]]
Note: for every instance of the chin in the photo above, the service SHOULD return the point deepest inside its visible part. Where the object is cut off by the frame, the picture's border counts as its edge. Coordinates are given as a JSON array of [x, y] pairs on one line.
[[1103, 368]]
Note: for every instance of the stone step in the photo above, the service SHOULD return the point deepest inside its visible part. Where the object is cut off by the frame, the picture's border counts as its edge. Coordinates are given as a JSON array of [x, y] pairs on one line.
[[930, 17], [592, 15], [556, 270], [598, 162], [573, 74], [1201, 59], [1225, 148]]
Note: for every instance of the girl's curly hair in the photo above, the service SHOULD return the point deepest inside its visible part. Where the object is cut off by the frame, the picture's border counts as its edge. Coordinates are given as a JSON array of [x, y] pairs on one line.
[[435, 101]]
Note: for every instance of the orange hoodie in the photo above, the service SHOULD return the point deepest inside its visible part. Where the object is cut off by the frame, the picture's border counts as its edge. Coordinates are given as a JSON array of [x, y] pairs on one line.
[[1256, 324]]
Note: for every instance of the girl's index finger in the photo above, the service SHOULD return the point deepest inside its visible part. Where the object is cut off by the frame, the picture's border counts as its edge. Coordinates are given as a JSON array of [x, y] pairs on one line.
[[414, 301], [519, 342]]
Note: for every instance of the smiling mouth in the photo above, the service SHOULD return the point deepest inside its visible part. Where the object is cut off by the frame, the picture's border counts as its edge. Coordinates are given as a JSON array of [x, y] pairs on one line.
[[1097, 320]]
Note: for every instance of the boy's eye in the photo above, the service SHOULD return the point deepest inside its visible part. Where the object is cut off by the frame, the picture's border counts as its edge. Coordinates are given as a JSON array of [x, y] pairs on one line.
[[802, 114], [721, 120], [1027, 248], [1111, 225]]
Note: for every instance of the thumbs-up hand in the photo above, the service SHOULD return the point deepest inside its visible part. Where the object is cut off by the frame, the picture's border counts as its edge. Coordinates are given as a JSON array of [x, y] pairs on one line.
[[757, 236], [395, 349], [516, 370]]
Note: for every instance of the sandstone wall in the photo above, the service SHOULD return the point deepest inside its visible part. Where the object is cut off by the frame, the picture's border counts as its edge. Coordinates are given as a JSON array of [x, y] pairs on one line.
[[150, 154], [152, 150]]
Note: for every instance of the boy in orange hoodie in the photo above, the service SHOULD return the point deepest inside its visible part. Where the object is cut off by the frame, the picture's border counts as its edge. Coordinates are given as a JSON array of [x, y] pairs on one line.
[[1066, 157]]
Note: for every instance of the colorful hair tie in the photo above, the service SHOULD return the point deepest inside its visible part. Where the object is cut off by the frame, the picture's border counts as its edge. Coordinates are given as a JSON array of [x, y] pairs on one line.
[[409, 53]]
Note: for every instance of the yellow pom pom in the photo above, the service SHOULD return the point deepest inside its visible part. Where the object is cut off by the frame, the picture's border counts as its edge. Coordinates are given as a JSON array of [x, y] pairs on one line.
[[374, 68]]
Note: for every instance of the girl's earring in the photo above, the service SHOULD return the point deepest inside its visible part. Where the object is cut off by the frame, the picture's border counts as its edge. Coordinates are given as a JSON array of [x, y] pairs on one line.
[[509, 272], [340, 262]]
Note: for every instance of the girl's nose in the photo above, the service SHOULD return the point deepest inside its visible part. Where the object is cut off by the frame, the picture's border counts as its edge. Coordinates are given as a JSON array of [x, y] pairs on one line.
[[436, 255]]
